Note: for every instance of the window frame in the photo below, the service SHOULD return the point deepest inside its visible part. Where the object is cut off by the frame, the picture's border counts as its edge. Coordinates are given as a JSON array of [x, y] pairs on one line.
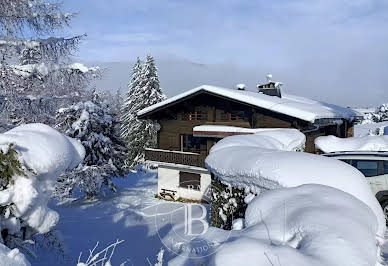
[[196, 185]]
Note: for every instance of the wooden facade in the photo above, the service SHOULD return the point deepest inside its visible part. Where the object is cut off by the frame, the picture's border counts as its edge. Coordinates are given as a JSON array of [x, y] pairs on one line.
[[178, 120]]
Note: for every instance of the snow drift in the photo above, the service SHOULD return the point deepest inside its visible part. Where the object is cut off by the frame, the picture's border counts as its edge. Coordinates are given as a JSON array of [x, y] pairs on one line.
[[296, 227], [367, 143], [277, 139], [298, 224], [44, 154]]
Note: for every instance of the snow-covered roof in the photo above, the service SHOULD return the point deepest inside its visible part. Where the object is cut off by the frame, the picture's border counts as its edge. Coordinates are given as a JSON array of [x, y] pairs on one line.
[[294, 106]]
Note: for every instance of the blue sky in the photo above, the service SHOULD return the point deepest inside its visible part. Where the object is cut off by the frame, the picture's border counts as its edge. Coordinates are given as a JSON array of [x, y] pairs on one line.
[[228, 30], [325, 41]]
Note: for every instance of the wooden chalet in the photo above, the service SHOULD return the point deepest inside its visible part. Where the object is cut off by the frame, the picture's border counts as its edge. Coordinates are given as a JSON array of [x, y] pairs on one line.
[[188, 128]]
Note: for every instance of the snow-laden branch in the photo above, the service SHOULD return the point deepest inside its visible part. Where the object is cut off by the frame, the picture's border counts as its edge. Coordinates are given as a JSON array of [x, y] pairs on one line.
[[38, 16], [101, 258]]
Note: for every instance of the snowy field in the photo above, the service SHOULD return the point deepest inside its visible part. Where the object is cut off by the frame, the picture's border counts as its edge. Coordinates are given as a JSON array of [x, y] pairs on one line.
[[128, 215]]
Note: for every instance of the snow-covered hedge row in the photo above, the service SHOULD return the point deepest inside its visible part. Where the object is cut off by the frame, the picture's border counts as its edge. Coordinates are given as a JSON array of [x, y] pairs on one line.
[[312, 210], [303, 226], [242, 163], [366, 143], [43, 153], [229, 201]]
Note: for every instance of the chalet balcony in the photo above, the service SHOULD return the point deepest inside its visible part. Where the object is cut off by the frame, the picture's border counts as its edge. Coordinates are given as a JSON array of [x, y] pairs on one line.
[[175, 157]]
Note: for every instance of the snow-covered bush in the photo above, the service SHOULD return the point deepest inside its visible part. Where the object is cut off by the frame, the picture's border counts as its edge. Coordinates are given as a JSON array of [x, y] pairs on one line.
[[380, 115], [227, 205], [329, 144], [32, 156], [306, 225], [315, 210], [382, 112], [143, 91], [92, 123], [229, 202]]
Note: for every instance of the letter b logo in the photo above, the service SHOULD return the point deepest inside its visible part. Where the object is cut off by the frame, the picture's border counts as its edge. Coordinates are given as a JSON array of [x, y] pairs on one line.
[[189, 219]]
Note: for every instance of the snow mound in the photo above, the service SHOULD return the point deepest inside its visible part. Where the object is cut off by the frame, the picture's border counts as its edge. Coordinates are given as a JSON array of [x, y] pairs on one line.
[[295, 226], [276, 139], [44, 154], [260, 163], [367, 143], [12, 257], [44, 149]]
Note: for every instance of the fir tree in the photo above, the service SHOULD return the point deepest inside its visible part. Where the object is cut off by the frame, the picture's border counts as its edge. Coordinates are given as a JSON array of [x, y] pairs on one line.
[[33, 65], [144, 91], [127, 106], [93, 124]]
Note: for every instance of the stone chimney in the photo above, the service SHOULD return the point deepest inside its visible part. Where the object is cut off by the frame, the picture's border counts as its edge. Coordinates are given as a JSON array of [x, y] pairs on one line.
[[270, 88]]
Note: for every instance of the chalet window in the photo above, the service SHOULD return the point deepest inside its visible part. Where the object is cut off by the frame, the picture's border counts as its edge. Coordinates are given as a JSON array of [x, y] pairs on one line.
[[237, 115], [200, 115], [189, 180], [233, 116], [193, 144]]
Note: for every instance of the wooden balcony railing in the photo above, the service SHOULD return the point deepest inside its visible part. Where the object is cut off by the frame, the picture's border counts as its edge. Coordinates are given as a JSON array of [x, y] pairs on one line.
[[176, 157]]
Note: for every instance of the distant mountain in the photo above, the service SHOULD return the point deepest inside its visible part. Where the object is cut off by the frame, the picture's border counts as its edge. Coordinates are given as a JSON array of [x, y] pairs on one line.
[[178, 75]]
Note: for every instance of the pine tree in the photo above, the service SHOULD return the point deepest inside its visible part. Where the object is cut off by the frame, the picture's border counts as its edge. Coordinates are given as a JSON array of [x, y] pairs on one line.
[[144, 91], [127, 106], [93, 124]]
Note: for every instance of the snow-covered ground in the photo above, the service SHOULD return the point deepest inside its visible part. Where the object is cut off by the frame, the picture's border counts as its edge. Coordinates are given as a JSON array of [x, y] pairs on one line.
[[147, 224], [128, 215], [133, 214]]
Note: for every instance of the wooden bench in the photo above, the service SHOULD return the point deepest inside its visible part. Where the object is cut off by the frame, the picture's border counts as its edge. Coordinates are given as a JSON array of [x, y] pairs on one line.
[[168, 193]]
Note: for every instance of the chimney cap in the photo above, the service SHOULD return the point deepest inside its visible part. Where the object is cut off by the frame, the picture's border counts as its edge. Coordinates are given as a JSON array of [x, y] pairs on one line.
[[240, 86]]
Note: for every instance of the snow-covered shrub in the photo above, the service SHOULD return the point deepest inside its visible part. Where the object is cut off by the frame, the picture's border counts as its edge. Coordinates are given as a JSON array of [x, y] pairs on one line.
[[143, 91], [247, 161], [382, 112], [92, 123], [227, 205], [329, 144], [380, 115], [32, 156], [229, 201], [316, 210], [304, 226]]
